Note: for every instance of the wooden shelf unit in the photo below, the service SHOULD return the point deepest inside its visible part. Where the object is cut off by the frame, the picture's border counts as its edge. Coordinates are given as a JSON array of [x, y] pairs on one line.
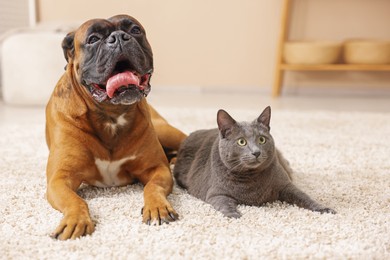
[[335, 67], [281, 67]]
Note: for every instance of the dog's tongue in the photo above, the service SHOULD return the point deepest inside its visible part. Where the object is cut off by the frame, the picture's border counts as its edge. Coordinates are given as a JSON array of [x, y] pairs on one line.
[[121, 79]]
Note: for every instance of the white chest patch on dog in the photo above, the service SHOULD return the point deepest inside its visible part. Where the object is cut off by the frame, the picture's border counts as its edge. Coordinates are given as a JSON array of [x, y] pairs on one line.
[[120, 121], [109, 171]]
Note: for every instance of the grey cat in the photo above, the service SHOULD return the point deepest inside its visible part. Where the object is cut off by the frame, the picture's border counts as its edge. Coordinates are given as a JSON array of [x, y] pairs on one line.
[[238, 164]]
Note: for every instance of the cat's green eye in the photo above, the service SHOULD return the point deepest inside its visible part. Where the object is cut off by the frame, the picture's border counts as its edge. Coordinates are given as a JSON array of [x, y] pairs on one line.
[[262, 140], [241, 142]]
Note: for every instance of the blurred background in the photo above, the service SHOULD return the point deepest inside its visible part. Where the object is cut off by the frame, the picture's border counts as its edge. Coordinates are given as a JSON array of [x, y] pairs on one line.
[[213, 46]]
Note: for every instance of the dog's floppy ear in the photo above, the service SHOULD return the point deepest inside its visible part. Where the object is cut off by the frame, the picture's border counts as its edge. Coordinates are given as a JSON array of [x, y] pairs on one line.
[[68, 45]]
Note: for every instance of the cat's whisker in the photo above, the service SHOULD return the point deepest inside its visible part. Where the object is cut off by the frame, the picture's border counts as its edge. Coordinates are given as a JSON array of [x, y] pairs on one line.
[[235, 164]]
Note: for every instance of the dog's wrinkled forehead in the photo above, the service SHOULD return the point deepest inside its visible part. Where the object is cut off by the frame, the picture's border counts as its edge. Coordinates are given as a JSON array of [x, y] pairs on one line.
[[101, 29], [106, 26]]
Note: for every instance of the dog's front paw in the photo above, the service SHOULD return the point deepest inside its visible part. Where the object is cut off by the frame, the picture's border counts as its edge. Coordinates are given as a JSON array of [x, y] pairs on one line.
[[158, 213], [73, 226]]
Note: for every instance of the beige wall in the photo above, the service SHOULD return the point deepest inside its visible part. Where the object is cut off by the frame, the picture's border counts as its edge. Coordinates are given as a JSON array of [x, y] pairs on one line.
[[232, 44]]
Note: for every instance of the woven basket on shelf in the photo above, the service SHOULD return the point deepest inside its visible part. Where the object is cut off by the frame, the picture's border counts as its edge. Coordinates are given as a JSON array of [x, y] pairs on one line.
[[312, 52], [367, 52]]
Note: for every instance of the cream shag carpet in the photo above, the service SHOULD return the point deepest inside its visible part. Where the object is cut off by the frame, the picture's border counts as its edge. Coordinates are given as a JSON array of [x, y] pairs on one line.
[[341, 160]]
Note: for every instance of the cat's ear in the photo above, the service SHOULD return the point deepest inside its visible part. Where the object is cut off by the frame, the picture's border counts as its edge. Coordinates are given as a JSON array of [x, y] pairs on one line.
[[265, 118], [225, 122]]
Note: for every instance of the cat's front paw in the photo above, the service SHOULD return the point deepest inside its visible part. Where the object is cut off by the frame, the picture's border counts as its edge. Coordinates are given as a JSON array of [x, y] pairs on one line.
[[326, 210], [226, 205], [232, 214]]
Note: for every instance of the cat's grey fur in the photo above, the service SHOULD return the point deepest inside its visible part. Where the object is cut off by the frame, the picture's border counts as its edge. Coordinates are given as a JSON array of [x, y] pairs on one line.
[[214, 167]]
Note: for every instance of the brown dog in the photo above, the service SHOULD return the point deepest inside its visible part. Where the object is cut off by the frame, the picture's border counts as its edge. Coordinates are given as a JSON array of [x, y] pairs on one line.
[[100, 129]]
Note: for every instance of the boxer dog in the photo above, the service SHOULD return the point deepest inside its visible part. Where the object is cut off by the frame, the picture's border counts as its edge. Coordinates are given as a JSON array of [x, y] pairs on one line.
[[99, 128]]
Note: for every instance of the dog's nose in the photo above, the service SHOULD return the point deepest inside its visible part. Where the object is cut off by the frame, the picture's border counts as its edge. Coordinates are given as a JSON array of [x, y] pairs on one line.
[[118, 37]]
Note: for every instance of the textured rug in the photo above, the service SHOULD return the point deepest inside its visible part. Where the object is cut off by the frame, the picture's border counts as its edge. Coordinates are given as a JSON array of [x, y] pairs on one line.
[[340, 159]]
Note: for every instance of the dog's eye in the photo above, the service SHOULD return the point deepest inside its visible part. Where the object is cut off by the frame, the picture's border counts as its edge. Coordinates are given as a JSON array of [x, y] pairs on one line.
[[135, 30], [93, 38]]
